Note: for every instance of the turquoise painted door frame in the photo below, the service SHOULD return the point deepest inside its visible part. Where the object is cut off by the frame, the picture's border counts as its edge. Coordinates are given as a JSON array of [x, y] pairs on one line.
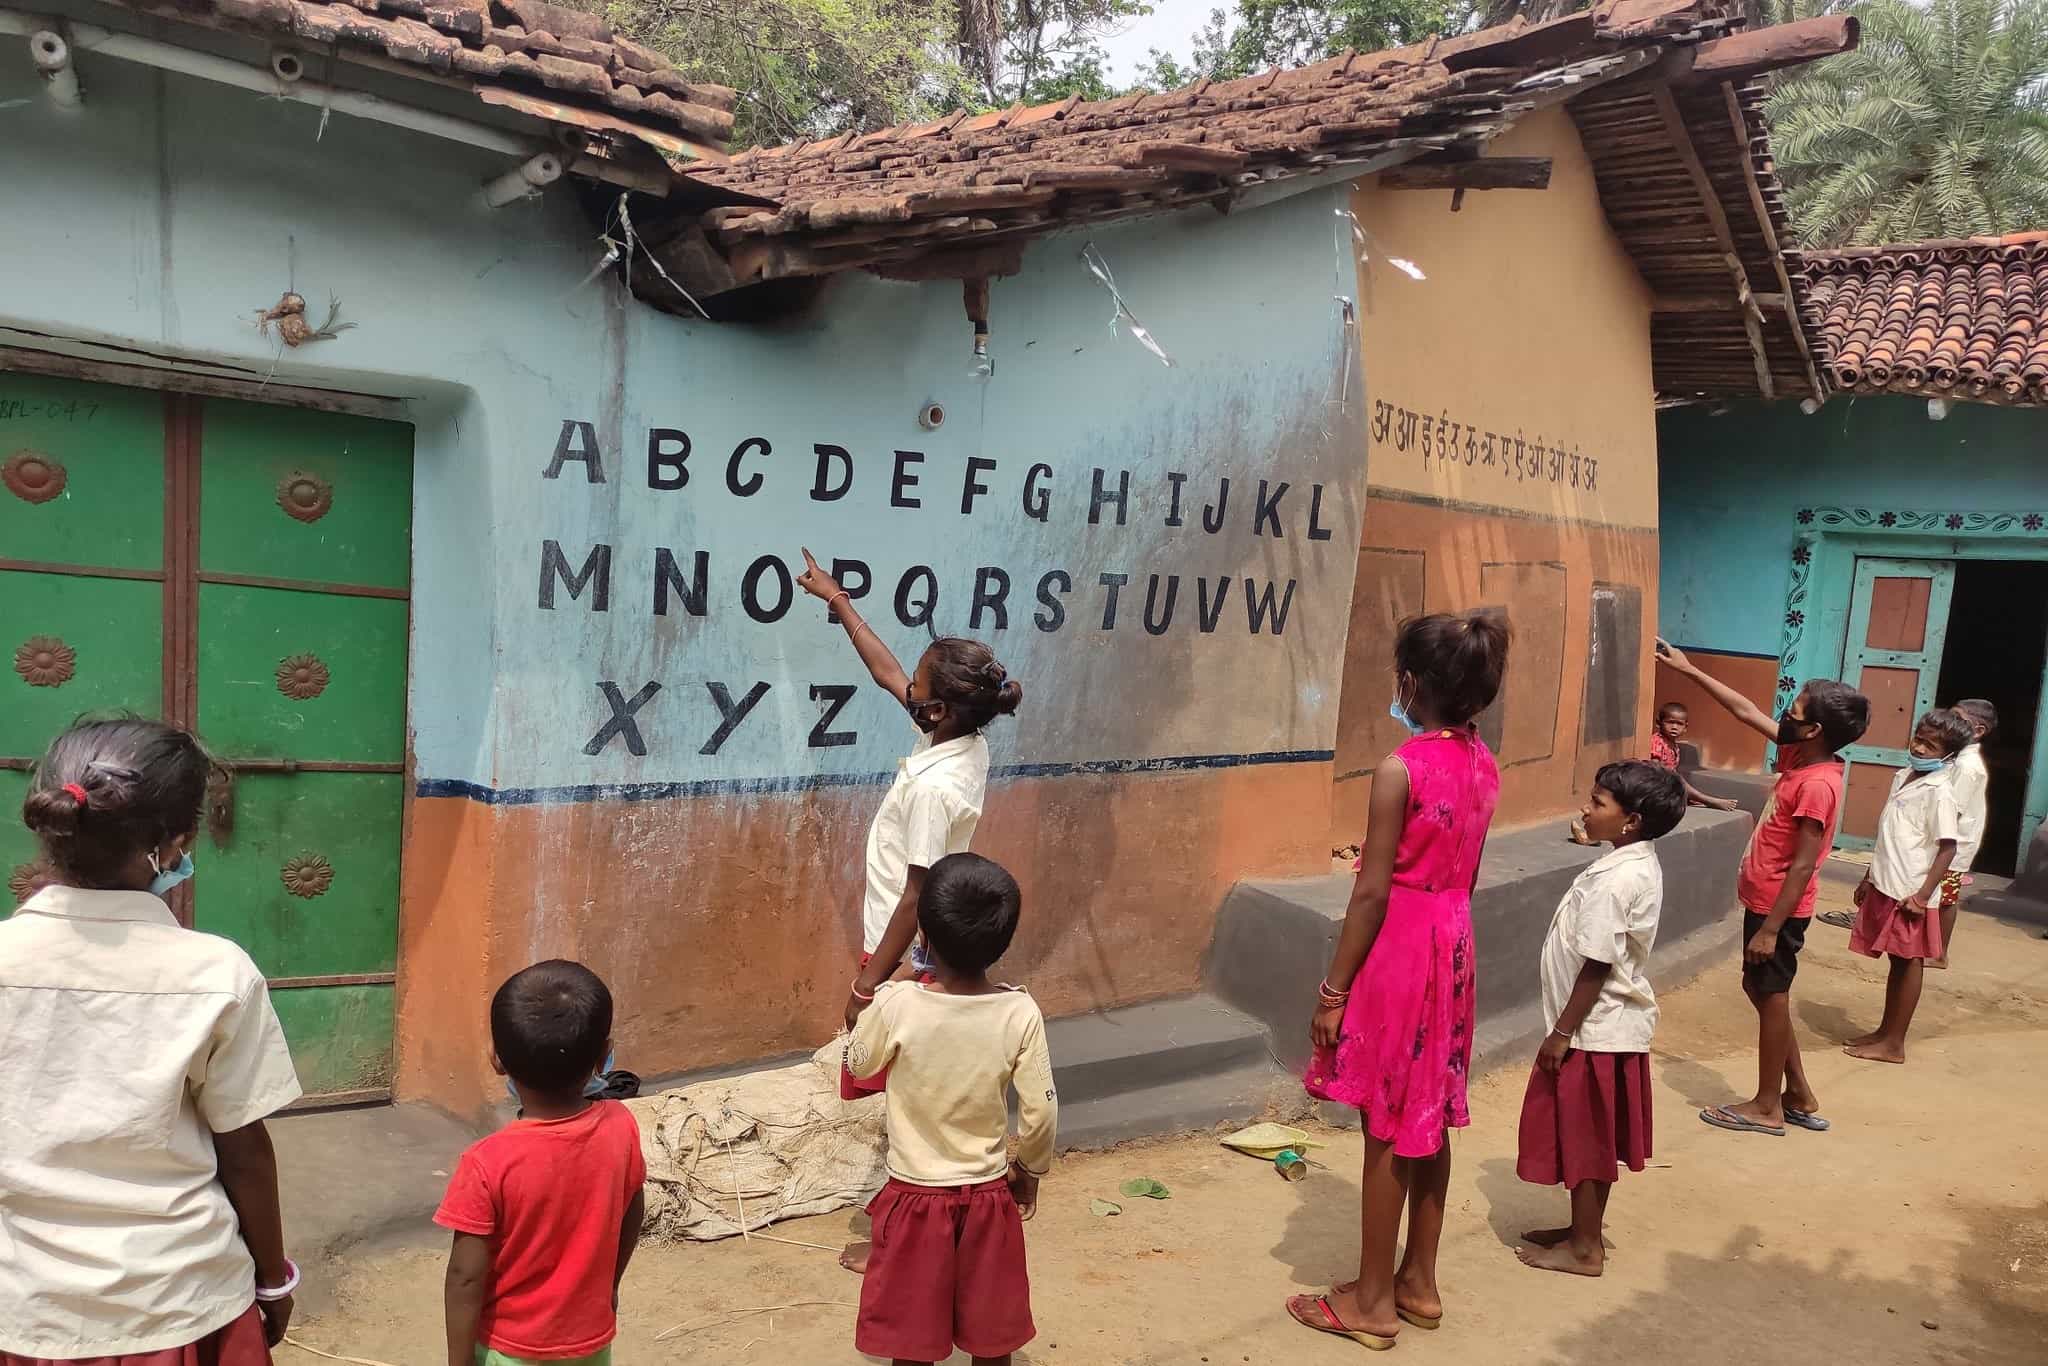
[[1825, 549], [1898, 623], [2034, 811]]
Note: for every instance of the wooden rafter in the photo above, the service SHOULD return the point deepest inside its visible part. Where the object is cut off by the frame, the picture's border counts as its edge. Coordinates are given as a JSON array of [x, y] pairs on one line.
[[1763, 220], [1713, 303], [1724, 236], [1484, 173]]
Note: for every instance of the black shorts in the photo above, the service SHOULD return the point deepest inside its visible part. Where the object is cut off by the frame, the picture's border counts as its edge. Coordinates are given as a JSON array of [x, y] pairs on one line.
[[1775, 973]]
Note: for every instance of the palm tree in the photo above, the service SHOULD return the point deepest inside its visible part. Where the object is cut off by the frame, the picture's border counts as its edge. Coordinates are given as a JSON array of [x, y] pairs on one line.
[[1936, 126]]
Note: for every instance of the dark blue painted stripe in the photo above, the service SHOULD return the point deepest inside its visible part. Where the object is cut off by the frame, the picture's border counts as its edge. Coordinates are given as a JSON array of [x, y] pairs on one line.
[[806, 782]]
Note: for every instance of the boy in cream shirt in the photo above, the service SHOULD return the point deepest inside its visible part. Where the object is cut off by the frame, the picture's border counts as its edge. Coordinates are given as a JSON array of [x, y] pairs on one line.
[[947, 1269]]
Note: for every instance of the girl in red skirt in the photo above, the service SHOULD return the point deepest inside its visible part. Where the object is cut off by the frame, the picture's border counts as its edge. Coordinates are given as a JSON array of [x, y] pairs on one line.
[[947, 1269], [1587, 1109], [138, 1189], [1896, 910]]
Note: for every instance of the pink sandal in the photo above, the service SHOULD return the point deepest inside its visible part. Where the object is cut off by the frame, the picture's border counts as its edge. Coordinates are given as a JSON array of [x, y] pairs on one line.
[[1299, 1307]]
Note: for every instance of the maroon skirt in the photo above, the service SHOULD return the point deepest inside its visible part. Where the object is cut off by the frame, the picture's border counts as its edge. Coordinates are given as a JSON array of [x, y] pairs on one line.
[[241, 1343], [1586, 1119]]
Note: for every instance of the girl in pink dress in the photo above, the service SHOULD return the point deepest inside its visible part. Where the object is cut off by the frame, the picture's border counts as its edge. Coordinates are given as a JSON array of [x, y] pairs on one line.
[[1393, 1027]]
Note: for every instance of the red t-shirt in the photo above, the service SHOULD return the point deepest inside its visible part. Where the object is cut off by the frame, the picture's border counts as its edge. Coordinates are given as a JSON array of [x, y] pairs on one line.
[[550, 1195], [1811, 792], [1663, 752]]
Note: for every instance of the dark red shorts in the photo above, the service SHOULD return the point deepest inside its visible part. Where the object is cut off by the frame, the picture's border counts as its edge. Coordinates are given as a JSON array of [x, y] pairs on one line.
[[1583, 1122], [947, 1271], [239, 1344]]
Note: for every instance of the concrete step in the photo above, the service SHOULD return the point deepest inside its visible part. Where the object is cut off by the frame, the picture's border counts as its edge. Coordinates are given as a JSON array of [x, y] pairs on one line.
[[1273, 939], [1238, 1096], [1113, 1053]]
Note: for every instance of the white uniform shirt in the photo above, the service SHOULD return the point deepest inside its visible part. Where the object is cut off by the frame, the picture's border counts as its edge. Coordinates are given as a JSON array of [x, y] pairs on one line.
[[1971, 781], [1609, 916], [129, 1042], [1917, 817], [930, 811]]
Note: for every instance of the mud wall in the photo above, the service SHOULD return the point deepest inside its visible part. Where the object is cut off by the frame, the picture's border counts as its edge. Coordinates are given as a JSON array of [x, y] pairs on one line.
[[633, 742], [1511, 450]]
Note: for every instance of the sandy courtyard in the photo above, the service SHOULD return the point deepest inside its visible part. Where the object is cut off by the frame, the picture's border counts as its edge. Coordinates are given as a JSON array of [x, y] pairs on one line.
[[1916, 1231]]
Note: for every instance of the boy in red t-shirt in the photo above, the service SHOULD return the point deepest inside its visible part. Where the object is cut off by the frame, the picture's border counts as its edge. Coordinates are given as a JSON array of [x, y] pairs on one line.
[[1778, 881], [546, 1211]]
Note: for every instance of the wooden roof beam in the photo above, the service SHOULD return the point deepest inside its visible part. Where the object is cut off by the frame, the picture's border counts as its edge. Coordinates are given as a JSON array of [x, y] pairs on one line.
[[1486, 173], [1717, 219], [1742, 55], [1763, 221]]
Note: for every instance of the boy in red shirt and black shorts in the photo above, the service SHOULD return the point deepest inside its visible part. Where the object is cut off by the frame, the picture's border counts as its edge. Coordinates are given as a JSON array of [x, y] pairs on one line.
[[1779, 880], [546, 1211]]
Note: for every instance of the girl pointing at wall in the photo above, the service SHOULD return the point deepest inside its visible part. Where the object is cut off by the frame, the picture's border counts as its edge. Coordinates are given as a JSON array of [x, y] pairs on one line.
[[935, 802]]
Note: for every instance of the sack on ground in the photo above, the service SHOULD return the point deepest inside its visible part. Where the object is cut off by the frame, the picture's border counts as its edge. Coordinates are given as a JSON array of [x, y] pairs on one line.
[[746, 1151]]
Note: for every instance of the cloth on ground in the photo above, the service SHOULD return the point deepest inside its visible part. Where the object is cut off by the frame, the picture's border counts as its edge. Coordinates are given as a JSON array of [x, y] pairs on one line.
[[750, 1150]]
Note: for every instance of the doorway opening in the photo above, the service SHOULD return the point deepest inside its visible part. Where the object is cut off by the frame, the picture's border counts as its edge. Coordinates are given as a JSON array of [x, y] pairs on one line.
[[1996, 648]]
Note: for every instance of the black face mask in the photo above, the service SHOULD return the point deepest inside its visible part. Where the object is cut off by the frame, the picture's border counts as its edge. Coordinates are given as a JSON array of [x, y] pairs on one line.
[[1791, 730]]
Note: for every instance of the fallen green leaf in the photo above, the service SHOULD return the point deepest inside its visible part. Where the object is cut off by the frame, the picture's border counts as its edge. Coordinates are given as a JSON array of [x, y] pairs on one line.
[[1102, 1209], [1146, 1188]]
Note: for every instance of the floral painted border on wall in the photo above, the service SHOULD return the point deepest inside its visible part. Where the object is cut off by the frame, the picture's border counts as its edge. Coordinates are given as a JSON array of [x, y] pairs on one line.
[[1815, 521]]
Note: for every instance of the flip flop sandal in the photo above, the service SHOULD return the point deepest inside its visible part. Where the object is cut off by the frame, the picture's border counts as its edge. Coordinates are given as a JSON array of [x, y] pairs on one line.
[[1722, 1118], [1841, 920], [1428, 1323], [1806, 1119], [1299, 1305]]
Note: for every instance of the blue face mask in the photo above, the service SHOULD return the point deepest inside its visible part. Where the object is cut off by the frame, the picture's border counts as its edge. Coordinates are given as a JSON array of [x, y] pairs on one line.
[[1400, 713], [1920, 765], [167, 878]]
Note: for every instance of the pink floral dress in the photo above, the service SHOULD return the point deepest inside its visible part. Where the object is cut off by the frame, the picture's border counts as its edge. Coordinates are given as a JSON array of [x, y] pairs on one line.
[[1407, 1035]]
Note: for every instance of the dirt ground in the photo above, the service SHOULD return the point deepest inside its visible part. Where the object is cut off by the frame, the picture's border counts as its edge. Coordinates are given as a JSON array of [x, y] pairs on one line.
[[1916, 1231]]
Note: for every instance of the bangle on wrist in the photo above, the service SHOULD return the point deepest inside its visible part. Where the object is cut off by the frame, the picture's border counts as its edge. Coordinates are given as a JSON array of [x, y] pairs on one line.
[[842, 593], [860, 995], [1557, 1032], [269, 1294]]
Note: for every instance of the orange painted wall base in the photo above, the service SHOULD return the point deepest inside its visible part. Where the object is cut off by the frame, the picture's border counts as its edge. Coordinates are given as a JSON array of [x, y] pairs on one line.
[[728, 929]]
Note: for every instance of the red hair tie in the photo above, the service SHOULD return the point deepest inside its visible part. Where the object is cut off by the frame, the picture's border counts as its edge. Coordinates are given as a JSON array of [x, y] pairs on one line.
[[77, 792]]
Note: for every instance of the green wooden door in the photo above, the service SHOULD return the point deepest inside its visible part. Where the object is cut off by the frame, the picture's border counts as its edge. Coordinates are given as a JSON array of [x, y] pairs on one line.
[[1898, 619], [81, 574], [269, 610]]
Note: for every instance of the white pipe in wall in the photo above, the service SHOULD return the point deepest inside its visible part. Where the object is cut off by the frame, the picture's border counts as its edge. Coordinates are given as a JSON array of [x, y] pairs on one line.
[[53, 61], [89, 38], [523, 180]]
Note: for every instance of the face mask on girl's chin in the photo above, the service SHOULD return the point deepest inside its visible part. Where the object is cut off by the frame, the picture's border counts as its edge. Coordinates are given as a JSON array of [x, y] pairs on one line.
[[1399, 712], [167, 878], [1931, 764]]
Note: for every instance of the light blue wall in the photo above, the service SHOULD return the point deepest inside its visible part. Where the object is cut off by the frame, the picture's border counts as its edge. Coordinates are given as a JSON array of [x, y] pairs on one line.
[[1732, 487], [167, 212]]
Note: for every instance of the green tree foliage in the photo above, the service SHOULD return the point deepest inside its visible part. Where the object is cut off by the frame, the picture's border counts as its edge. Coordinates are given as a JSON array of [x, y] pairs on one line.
[[811, 68], [1936, 126]]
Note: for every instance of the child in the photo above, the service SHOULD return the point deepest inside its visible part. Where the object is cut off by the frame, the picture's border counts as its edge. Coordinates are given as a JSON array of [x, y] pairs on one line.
[[1588, 1104], [1673, 720], [1779, 880], [138, 1187], [948, 1263], [1897, 903], [935, 803], [1393, 1025], [1971, 781], [546, 1212]]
